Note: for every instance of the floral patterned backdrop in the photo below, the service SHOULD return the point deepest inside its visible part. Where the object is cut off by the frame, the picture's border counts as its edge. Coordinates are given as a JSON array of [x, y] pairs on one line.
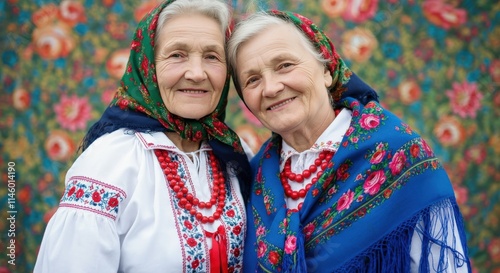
[[435, 63]]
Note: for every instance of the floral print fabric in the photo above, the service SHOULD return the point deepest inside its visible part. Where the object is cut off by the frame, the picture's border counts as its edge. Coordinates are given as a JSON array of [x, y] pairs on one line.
[[428, 68], [379, 163]]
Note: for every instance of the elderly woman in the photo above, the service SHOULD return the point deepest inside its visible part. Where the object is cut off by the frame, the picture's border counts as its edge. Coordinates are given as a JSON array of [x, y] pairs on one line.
[[157, 188], [342, 185]]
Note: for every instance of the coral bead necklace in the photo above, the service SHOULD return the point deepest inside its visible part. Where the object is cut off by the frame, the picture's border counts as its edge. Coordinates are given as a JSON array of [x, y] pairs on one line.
[[187, 200], [319, 165]]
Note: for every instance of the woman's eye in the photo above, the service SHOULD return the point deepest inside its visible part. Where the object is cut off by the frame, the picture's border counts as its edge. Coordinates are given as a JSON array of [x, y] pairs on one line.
[[251, 80], [285, 65], [213, 57], [176, 55]]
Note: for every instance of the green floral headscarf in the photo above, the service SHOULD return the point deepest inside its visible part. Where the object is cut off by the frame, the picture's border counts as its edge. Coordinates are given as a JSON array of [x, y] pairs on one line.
[[139, 90]]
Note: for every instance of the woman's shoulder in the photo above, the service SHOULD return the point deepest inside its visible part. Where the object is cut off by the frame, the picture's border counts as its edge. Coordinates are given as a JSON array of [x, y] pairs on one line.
[[105, 174], [114, 146], [113, 159]]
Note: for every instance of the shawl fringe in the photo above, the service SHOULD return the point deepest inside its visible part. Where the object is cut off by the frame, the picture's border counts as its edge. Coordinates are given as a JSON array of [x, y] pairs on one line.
[[296, 263], [440, 250]]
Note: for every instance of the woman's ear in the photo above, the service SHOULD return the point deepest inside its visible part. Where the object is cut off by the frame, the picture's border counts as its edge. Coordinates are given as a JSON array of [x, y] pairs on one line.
[[328, 77]]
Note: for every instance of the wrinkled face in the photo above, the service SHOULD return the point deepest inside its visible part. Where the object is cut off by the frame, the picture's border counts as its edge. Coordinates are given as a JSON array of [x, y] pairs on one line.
[[283, 85], [191, 65]]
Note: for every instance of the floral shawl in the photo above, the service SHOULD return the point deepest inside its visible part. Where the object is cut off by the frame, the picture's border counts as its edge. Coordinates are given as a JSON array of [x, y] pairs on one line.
[[137, 104], [383, 185]]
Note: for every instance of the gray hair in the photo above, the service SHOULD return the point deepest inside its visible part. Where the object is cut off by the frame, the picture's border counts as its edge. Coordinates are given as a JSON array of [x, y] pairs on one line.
[[215, 9], [255, 24]]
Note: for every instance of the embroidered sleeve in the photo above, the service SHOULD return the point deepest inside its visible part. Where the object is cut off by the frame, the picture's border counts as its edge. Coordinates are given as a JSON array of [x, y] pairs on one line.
[[92, 195]]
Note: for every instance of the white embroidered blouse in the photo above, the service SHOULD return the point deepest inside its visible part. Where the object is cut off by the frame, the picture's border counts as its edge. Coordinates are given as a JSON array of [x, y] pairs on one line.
[[118, 213]]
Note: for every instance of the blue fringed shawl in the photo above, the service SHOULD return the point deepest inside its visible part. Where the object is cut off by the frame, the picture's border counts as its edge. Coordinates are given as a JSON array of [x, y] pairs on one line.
[[399, 189]]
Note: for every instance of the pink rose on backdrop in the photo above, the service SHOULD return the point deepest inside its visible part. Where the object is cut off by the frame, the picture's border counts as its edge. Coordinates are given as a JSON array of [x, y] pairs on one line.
[[449, 131], [495, 70], [45, 15], [461, 193], [107, 95], [398, 162], [53, 41], [369, 121], [360, 10], [373, 182], [443, 14], [248, 134], [72, 12], [290, 244], [117, 62], [345, 201], [116, 28], [352, 10], [409, 92], [334, 8], [73, 112], [249, 116], [476, 153], [21, 99], [59, 146], [494, 249], [358, 44], [465, 99]]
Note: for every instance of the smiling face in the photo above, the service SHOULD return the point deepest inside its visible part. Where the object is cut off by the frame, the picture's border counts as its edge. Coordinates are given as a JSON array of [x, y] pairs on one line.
[[191, 65], [283, 84]]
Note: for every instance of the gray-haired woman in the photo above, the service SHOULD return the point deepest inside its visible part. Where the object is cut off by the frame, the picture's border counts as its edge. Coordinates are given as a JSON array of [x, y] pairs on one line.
[[158, 187]]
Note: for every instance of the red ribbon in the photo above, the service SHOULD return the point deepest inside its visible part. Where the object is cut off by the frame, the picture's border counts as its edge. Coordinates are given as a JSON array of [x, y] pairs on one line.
[[218, 253]]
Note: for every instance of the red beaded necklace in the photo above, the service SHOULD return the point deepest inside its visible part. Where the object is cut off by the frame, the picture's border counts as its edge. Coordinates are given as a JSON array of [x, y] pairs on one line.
[[322, 162], [319, 165], [186, 200]]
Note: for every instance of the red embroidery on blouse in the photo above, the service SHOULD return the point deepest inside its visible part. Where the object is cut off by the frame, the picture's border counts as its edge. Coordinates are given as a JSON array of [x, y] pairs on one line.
[[92, 195]]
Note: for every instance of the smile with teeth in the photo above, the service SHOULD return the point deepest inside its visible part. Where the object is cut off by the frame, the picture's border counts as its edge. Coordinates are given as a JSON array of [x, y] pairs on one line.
[[280, 104], [193, 91]]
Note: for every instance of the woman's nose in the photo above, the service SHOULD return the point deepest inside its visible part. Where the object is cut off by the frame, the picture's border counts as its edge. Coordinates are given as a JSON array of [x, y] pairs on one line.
[[195, 70], [272, 86]]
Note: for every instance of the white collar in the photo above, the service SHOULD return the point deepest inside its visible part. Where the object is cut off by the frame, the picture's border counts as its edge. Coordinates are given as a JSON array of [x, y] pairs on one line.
[[329, 140], [158, 140]]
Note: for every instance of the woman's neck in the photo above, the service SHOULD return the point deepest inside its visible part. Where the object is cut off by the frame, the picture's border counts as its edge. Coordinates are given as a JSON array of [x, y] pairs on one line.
[[184, 145], [305, 138]]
